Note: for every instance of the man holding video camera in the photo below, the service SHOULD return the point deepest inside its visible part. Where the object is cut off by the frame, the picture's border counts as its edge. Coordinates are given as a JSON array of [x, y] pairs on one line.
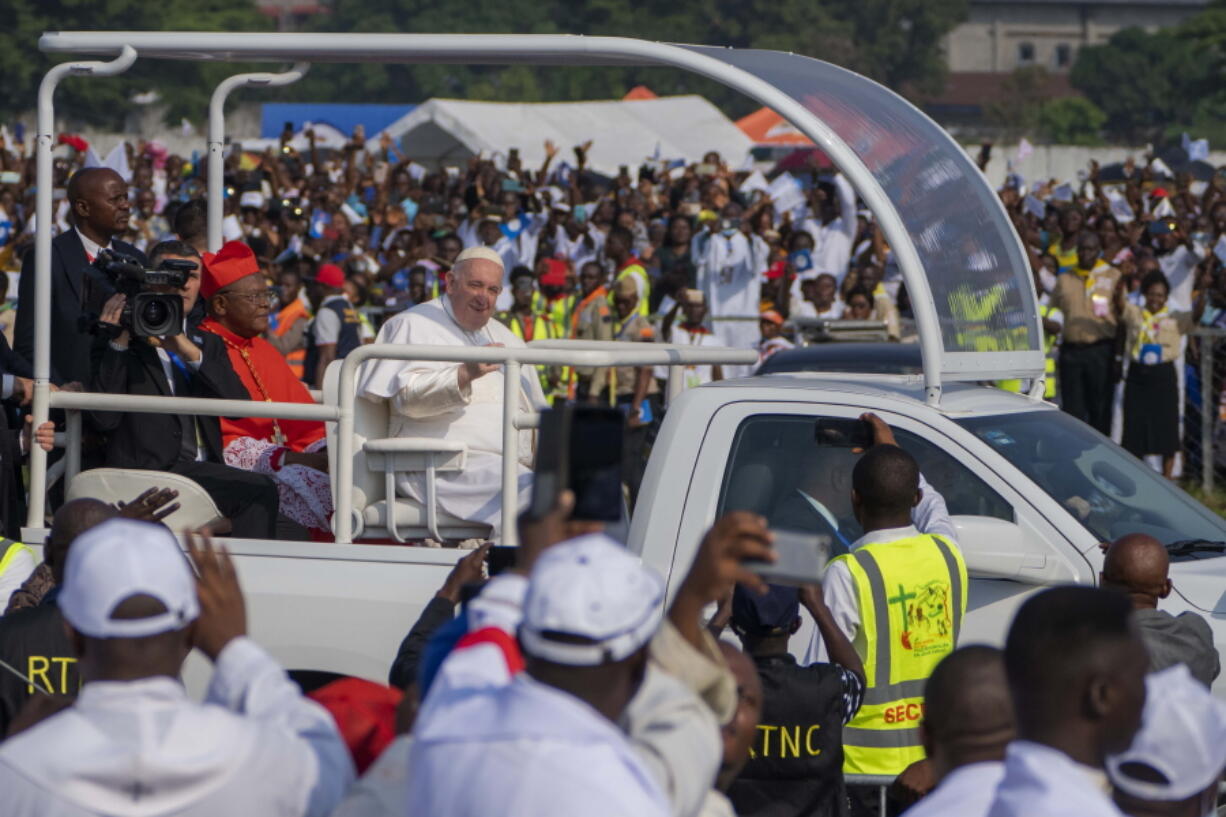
[[100, 211], [182, 363]]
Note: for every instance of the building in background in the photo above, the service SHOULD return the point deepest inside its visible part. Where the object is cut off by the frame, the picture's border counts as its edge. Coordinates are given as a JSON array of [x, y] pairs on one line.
[[999, 37]]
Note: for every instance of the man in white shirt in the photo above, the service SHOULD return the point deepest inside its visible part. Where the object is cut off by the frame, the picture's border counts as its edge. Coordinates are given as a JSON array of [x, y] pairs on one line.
[[548, 742], [1076, 668], [1179, 261], [457, 401], [692, 331], [834, 228], [133, 743], [928, 516], [730, 267], [968, 722]]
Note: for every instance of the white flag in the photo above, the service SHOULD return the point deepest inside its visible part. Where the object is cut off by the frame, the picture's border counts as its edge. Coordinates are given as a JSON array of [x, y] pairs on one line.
[[117, 160], [1160, 167], [1035, 207], [1024, 150], [1119, 205], [1197, 149], [756, 181]]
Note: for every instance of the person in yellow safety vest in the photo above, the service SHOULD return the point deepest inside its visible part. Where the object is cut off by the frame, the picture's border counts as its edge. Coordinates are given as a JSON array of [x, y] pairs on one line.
[[899, 596], [527, 324], [592, 320], [17, 562], [619, 248], [1053, 322], [557, 282]]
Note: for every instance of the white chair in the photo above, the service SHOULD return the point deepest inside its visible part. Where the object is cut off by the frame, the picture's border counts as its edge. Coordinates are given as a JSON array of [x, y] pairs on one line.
[[378, 459], [111, 485]]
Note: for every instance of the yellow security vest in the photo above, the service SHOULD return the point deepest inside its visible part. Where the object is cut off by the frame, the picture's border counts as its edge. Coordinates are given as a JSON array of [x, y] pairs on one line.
[[912, 597], [1049, 364], [12, 550], [542, 329], [635, 268]]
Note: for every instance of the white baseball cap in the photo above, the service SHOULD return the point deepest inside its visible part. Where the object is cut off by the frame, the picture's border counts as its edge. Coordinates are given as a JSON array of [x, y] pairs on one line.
[[122, 558], [1182, 737], [593, 589]]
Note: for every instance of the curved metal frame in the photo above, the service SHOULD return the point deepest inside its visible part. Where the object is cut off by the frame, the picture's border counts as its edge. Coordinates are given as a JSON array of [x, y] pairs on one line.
[[42, 249], [540, 50], [217, 135]]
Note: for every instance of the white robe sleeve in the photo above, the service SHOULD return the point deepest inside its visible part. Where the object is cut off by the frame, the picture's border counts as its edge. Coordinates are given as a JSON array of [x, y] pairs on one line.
[[430, 393], [246, 680], [931, 515]]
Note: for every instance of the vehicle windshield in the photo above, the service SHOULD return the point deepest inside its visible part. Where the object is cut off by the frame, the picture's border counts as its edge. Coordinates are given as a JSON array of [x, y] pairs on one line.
[[1110, 491]]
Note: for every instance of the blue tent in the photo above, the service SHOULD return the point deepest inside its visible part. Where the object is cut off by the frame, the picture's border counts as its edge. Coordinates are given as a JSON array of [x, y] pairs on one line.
[[344, 117]]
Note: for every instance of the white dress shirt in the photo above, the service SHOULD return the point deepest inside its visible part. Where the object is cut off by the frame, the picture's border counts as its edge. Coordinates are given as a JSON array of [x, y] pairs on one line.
[[144, 749], [838, 587], [92, 248], [1041, 780], [525, 749], [967, 791]]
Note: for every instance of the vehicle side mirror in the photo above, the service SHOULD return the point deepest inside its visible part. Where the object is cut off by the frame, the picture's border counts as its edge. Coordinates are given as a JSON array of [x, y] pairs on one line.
[[998, 549]]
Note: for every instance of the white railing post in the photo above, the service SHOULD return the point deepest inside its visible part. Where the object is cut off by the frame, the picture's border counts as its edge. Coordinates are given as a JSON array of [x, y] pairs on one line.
[[217, 136], [41, 408], [510, 454]]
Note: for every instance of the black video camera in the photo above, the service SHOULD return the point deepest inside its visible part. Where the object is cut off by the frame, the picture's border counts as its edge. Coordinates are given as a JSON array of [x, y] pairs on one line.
[[147, 313]]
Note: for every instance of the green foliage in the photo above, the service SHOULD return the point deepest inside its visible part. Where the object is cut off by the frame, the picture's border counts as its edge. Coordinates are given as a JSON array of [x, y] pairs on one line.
[[1144, 82], [184, 86], [1021, 100], [894, 41], [1071, 120]]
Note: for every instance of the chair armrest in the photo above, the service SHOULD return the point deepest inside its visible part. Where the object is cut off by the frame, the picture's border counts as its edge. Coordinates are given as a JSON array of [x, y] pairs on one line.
[[401, 454], [405, 445]]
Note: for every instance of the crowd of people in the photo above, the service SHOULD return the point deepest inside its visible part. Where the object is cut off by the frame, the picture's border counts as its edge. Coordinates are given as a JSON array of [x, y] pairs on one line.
[[569, 683], [1125, 262]]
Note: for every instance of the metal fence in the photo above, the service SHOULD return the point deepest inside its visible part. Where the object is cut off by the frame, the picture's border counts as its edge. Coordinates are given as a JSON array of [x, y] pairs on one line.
[[1204, 424]]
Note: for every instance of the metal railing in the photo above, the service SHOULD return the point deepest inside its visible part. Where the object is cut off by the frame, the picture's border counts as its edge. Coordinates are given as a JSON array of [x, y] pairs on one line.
[[546, 353], [1204, 431]]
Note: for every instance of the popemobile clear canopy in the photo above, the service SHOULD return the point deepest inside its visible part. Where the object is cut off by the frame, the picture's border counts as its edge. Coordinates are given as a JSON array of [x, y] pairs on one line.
[[963, 264]]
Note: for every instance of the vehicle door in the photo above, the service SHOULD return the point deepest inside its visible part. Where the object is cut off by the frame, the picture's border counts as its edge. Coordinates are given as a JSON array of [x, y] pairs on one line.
[[764, 457]]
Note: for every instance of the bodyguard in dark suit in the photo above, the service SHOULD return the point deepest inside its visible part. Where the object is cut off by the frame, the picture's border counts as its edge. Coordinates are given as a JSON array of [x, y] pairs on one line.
[[99, 201], [194, 364]]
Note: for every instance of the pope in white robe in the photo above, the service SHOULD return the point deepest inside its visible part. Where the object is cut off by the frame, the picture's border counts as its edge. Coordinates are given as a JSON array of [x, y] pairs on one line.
[[457, 401], [730, 267]]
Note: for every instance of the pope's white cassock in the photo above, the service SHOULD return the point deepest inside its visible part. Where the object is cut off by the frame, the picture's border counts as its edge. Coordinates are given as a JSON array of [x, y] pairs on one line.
[[730, 271], [427, 402]]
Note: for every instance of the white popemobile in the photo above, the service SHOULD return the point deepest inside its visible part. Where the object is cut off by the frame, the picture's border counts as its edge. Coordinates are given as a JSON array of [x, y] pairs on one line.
[[1031, 491]]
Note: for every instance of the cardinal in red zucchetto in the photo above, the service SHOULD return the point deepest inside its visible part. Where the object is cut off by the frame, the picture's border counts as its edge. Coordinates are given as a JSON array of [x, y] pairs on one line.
[[292, 452]]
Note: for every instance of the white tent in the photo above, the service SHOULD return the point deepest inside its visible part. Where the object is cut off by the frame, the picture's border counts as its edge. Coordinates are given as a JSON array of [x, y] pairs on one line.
[[450, 131]]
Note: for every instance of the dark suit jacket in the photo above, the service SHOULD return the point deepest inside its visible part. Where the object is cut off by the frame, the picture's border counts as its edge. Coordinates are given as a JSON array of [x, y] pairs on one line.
[[70, 343], [153, 441], [12, 495]]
